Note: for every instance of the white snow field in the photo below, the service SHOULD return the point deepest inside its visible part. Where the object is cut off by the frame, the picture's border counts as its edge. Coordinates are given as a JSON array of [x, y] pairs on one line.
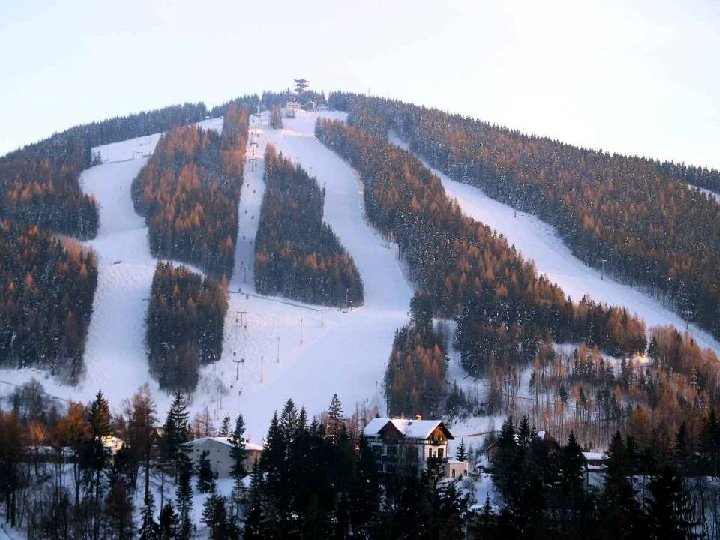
[[115, 359], [537, 240], [282, 349], [321, 350]]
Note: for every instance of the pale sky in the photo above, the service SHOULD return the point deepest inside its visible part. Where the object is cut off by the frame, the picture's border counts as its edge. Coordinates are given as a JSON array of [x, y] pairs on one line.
[[639, 77]]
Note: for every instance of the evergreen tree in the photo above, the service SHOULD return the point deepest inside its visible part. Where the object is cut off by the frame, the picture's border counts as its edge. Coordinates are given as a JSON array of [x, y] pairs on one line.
[[668, 507], [255, 520], [365, 488], [183, 494], [99, 416], [225, 427], [177, 432], [215, 517], [572, 467], [149, 528], [238, 453], [461, 453], [335, 423], [504, 461], [205, 475], [119, 509], [169, 525]]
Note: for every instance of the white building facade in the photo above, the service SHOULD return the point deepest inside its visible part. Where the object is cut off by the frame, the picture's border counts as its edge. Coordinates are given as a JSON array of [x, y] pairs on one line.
[[401, 442], [218, 449]]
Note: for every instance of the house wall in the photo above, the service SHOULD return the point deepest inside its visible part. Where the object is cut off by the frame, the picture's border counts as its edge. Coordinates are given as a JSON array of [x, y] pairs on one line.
[[218, 455]]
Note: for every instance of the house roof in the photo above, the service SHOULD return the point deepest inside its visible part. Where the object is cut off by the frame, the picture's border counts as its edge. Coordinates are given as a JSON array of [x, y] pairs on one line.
[[224, 440], [412, 429]]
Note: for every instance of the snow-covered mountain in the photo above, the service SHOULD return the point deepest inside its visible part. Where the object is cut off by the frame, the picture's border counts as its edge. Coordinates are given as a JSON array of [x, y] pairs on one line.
[[276, 349]]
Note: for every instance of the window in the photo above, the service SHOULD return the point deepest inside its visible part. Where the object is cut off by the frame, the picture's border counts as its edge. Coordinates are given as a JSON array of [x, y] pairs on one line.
[[452, 471], [440, 453]]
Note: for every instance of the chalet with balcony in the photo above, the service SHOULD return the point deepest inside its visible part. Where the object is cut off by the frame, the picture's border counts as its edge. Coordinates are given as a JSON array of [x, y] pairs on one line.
[[402, 442]]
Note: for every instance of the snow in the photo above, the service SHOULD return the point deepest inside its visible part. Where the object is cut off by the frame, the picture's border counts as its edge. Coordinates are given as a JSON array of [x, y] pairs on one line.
[[708, 192], [215, 124], [540, 242], [283, 349], [413, 429], [132, 149], [321, 350]]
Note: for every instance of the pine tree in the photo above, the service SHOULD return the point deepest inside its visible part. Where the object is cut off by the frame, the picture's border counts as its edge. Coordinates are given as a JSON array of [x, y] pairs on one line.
[[504, 461], [214, 516], [461, 453], [668, 508], [205, 474], [183, 494], [524, 434], [225, 427], [99, 416], [119, 509], [365, 487], [169, 526], [238, 453], [334, 420], [176, 432], [255, 520], [149, 528]]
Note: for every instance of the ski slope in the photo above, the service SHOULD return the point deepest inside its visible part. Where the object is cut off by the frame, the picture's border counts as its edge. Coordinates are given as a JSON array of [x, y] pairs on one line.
[[321, 350], [539, 241], [274, 349]]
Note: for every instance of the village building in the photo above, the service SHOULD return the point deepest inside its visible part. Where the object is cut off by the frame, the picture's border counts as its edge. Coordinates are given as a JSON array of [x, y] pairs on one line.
[[112, 444], [401, 442], [456, 469], [218, 449]]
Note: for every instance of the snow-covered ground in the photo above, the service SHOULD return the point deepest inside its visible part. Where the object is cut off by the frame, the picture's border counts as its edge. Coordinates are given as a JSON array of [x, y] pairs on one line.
[[115, 359], [321, 350], [539, 241], [707, 192], [283, 349]]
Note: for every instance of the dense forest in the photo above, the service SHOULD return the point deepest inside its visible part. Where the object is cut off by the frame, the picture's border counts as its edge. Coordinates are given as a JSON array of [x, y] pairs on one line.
[[39, 183], [636, 216], [184, 325], [297, 255], [189, 192], [48, 286], [416, 372], [583, 391], [315, 478], [504, 308], [46, 301], [546, 493]]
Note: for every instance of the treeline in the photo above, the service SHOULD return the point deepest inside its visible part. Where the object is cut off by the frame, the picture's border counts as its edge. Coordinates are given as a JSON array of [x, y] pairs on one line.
[[297, 255], [466, 268], [635, 215], [280, 99], [184, 325], [46, 300], [320, 480], [315, 479], [546, 494], [584, 392], [415, 374], [189, 192], [39, 183]]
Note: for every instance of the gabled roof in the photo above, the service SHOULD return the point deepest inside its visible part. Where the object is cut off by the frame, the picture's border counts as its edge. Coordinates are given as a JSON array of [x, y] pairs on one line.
[[412, 429], [225, 441]]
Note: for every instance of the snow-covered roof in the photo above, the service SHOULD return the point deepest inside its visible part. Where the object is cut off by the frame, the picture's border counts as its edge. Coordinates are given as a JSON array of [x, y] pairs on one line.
[[413, 429], [224, 440], [594, 456]]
